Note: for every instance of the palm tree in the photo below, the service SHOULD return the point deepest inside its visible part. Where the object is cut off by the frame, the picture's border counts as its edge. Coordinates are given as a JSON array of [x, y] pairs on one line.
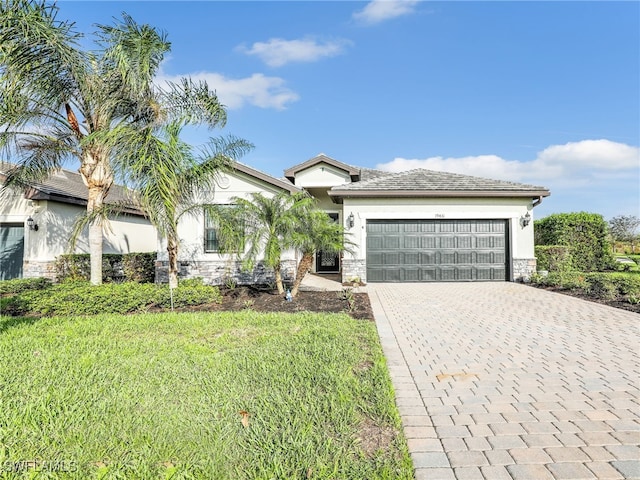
[[60, 102], [266, 224], [315, 231], [169, 178]]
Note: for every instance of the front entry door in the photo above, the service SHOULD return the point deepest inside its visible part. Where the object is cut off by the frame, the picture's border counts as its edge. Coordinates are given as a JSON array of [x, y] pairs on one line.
[[327, 262]]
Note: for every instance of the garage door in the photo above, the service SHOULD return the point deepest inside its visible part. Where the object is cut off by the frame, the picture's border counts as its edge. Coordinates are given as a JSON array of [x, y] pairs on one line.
[[436, 250], [11, 251]]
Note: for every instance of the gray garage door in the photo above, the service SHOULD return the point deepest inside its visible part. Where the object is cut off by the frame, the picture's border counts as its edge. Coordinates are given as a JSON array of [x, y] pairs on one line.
[[11, 251], [436, 250]]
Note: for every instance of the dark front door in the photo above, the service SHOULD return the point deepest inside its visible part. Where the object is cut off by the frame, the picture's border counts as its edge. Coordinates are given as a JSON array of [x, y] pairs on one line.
[[328, 262], [11, 251]]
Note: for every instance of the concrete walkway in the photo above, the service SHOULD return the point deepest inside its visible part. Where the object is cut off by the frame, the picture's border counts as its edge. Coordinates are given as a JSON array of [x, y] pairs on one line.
[[505, 381]]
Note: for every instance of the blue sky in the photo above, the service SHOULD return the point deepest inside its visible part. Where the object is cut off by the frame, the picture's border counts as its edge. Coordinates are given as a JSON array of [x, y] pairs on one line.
[[546, 93]]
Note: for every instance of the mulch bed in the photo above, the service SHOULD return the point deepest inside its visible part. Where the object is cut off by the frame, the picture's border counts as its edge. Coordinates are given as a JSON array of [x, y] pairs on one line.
[[584, 296], [263, 299]]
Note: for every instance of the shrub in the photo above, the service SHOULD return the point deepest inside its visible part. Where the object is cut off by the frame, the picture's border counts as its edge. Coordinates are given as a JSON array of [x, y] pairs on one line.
[[130, 267], [585, 233], [553, 258], [18, 285], [563, 280], [601, 285], [81, 298], [139, 267]]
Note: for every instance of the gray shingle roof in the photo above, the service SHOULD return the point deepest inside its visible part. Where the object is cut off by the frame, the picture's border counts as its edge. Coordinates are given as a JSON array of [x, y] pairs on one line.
[[430, 182], [66, 186]]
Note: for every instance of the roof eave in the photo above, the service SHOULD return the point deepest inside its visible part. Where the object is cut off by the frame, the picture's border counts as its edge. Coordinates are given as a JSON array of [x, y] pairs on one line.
[[438, 193], [265, 178], [353, 172]]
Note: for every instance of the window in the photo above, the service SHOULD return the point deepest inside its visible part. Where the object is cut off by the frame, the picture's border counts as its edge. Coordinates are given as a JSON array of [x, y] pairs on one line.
[[212, 241]]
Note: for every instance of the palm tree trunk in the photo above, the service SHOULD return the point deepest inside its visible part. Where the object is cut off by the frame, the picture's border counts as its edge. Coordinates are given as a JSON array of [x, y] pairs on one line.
[[278, 274], [172, 250], [98, 178], [303, 267]]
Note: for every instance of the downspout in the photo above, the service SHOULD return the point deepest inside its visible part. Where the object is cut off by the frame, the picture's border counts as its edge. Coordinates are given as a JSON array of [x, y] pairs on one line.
[[537, 202]]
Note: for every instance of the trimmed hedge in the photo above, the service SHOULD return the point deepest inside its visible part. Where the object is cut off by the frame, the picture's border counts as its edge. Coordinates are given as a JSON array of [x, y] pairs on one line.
[[585, 233], [553, 258], [128, 267]]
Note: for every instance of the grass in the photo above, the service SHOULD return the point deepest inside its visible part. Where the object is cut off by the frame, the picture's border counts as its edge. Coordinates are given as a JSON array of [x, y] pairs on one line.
[[197, 396]]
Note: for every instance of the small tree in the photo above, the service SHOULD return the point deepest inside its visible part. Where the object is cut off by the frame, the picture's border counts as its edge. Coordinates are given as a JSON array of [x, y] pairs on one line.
[[266, 226], [315, 231], [169, 179], [624, 228]]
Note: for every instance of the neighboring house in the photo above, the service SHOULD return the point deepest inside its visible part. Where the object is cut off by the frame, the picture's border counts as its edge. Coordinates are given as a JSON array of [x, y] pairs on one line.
[[415, 226], [35, 225]]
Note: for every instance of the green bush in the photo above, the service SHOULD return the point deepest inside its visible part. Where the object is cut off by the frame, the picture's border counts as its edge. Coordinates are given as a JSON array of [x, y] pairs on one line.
[[139, 267], [601, 285], [81, 298], [585, 233], [18, 285], [553, 258], [128, 267], [565, 280]]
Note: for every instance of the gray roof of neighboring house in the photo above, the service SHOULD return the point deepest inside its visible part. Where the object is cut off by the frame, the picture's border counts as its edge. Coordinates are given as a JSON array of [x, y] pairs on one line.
[[67, 187], [421, 182]]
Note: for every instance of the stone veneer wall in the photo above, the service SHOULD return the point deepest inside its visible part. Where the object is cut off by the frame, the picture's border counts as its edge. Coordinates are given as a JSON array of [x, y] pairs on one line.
[[217, 272], [34, 269], [354, 268], [523, 268]]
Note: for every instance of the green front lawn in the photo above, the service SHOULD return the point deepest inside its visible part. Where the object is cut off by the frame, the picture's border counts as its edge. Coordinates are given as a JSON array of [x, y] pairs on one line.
[[206, 396]]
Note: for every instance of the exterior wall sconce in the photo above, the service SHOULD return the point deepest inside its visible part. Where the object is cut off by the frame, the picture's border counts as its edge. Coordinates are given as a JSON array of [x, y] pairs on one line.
[[351, 220], [32, 224], [526, 220]]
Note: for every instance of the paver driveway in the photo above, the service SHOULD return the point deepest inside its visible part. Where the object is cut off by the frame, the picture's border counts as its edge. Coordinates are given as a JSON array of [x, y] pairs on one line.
[[502, 380]]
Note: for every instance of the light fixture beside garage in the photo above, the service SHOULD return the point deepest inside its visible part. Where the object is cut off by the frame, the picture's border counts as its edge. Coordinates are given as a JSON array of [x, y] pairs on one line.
[[526, 219], [32, 224], [351, 220]]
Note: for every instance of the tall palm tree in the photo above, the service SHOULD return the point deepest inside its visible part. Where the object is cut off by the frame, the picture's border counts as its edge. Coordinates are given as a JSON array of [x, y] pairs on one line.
[[169, 178], [267, 225], [60, 102], [315, 231]]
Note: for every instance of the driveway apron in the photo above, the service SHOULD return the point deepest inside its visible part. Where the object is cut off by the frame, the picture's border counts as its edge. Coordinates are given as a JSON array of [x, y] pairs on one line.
[[506, 381]]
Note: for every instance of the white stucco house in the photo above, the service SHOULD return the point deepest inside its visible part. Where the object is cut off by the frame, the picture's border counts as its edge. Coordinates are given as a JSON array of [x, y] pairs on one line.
[[35, 225], [415, 226]]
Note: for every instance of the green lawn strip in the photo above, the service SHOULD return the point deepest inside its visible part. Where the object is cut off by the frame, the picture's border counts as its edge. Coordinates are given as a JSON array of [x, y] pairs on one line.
[[160, 396]]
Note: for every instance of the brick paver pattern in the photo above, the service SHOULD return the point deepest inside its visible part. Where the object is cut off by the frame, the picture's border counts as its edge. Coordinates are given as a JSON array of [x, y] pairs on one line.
[[503, 380]]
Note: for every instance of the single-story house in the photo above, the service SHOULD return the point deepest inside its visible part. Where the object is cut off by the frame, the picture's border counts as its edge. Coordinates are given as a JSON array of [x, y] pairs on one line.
[[413, 226], [35, 224]]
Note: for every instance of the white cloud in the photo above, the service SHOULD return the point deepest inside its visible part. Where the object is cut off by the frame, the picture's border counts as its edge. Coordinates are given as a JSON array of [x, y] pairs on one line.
[[575, 163], [378, 11], [258, 89], [278, 52], [601, 154]]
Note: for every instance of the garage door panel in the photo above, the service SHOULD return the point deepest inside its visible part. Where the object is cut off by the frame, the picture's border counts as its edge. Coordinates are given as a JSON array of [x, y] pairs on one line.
[[391, 242], [411, 242], [436, 250], [465, 273], [465, 242], [428, 242]]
